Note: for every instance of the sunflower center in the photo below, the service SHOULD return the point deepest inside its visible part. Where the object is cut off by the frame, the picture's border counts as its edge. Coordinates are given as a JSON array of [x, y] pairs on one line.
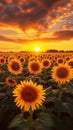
[[2, 60], [15, 66], [45, 63], [29, 94], [67, 58], [35, 67], [62, 72], [22, 60], [71, 63], [11, 81], [60, 61]]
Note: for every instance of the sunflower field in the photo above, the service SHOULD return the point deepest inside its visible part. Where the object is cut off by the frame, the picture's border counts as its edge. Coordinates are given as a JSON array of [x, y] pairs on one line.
[[36, 91]]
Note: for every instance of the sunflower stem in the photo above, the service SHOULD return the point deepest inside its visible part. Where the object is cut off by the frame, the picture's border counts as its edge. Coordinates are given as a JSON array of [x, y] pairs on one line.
[[31, 119], [60, 92], [60, 97]]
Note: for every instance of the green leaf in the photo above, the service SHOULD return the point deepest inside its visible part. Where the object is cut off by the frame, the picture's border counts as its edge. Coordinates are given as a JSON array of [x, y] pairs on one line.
[[69, 90], [22, 127], [46, 119], [61, 107], [16, 121], [64, 107]]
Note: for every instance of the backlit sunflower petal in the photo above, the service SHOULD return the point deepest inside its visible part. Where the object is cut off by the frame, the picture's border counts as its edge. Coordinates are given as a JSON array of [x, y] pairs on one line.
[[62, 73], [27, 95]]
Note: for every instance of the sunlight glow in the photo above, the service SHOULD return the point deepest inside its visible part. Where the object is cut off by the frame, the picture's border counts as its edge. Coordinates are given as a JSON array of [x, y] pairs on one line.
[[37, 49]]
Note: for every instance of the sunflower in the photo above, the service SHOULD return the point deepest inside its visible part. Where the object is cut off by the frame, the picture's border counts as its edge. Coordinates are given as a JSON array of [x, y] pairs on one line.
[[34, 67], [70, 62], [22, 60], [67, 58], [60, 60], [46, 63], [15, 66], [29, 95], [32, 59], [2, 60], [10, 58], [10, 82], [62, 73]]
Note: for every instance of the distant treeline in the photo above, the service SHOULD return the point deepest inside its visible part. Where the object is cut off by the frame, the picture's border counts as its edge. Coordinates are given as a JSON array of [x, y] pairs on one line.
[[52, 50]]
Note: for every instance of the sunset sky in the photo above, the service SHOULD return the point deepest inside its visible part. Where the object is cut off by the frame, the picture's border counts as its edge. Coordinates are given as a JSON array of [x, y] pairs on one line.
[[26, 24]]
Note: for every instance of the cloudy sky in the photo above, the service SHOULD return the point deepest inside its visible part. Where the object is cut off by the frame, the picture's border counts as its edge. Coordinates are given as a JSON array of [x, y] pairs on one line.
[[25, 24]]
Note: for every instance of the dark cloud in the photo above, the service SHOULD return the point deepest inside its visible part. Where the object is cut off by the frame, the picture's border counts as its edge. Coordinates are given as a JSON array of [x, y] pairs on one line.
[[64, 35], [28, 13], [38, 14], [49, 3]]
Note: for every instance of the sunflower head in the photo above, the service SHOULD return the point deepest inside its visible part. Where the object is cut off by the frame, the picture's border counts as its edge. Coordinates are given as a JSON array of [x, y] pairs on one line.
[[62, 73], [60, 60], [15, 66], [67, 58], [29, 95], [2, 60], [10, 82], [46, 63], [70, 62], [34, 67], [32, 59], [22, 60], [10, 58]]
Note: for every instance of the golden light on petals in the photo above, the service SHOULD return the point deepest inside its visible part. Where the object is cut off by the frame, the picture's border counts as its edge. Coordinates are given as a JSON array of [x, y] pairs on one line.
[[22, 60], [70, 62], [60, 60], [10, 82], [15, 66], [2, 60], [29, 95], [46, 63], [62, 73], [34, 67]]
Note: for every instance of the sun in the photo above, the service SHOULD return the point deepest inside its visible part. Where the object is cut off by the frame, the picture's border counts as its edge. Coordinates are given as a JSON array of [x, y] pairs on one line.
[[37, 49]]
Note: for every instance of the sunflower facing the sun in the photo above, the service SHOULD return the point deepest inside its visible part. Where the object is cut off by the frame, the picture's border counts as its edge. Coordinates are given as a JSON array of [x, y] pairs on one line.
[[2, 60], [70, 62], [29, 95], [46, 63], [15, 66], [62, 73], [10, 82], [34, 67]]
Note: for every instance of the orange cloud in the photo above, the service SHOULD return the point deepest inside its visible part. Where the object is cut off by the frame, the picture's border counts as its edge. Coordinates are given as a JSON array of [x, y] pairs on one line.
[[25, 21]]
